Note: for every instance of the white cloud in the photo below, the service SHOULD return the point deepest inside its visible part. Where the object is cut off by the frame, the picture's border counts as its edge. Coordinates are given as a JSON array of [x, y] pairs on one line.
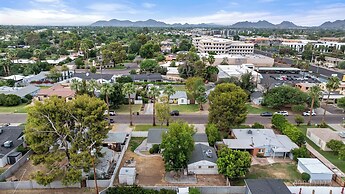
[[148, 5], [111, 7], [47, 1]]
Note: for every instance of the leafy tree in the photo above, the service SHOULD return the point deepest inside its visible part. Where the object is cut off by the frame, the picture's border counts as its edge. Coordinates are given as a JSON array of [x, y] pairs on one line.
[[299, 120], [128, 89], [301, 152], [79, 63], [246, 82], [148, 66], [117, 97], [148, 49], [233, 163], [257, 125], [186, 70], [305, 177], [314, 93], [284, 95], [153, 94], [342, 153], [341, 103], [227, 106], [93, 69], [134, 47], [114, 52], [185, 45], [211, 59], [212, 133], [211, 73], [200, 68], [9, 100], [341, 65], [163, 112], [54, 74], [192, 85], [62, 134], [106, 90], [200, 96], [124, 79], [335, 145], [278, 121], [169, 91], [177, 145], [332, 84], [160, 58], [298, 108]]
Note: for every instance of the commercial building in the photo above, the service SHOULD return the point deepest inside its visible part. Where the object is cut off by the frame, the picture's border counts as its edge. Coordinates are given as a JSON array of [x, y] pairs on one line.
[[318, 172], [238, 59], [206, 44], [227, 71]]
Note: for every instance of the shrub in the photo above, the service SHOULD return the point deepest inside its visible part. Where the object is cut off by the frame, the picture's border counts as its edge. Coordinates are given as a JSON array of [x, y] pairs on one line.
[[335, 145], [12, 100], [305, 176], [28, 96], [301, 152], [194, 191], [298, 108], [342, 153], [21, 149], [257, 125], [323, 125], [278, 121], [155, 149], [299, 120]]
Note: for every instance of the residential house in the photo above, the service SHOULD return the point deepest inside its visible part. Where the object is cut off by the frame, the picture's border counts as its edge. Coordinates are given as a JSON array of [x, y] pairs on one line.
[[320, 136], [100, 78], [179, 97], [200, 138], [154, 77], [42, 76], [20, 91], [261, 142], [266, 186], [10, 138], [115, 141], [203, 160], [257, 97], [319, 173], [305, 87], [16, 78], [62, 91], [154, 136]]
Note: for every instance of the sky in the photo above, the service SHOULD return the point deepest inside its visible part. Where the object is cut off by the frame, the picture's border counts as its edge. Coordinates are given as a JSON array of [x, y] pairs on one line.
[[225, 12]]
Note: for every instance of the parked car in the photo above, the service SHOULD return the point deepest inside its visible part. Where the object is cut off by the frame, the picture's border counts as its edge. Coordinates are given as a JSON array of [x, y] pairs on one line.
[[112, 113], [266, 114], [175, 113], [284, 113], [111, 121], [307, 113]]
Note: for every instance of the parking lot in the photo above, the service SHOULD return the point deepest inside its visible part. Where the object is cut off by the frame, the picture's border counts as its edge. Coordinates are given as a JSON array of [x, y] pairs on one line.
[[273, 80]]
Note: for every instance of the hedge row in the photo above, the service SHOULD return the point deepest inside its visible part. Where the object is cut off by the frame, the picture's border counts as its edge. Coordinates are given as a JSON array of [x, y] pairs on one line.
[[288, 129]]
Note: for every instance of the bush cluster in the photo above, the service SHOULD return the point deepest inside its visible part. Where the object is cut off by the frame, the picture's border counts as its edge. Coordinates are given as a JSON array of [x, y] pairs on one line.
[[288, 129], [338, 147], [10, 100], [155, 149], [137, 190]]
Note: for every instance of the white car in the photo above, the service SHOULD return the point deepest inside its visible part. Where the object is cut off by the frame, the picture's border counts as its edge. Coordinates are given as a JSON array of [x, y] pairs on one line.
[[307, 113], [284, 113]]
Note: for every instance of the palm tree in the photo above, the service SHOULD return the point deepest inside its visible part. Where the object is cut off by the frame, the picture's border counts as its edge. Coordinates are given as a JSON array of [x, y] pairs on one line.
[[106, 90], [169, 91], [331, 85], [11, 55], [38, 54], [128, 89], [92, 86], [314, 93], [211, 59], [76, 85], [154, 93]]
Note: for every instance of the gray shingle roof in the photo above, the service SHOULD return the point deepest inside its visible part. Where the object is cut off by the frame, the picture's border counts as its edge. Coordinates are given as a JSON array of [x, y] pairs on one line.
[[95, 76], [200, 137], [10, 133], [20, 91], [199, 154], [155, 135], [147, 77], [267, 186], [179, 94], [115, 138]]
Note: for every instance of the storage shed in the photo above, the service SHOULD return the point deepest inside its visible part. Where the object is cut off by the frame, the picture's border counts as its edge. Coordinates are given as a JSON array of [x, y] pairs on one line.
[[13, 157], [318, 172], [127, 176]]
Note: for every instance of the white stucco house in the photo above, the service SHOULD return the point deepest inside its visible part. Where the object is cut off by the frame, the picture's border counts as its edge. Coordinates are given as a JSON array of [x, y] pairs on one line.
[[318, 172], [180, 97], [203, 160], [320, 136]]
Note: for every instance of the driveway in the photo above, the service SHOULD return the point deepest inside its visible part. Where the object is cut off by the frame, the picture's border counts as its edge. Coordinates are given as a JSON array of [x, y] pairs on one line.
[[148, 110]]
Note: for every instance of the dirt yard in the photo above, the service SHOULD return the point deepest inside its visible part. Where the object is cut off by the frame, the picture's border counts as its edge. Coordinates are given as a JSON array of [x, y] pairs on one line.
[[25, 171]]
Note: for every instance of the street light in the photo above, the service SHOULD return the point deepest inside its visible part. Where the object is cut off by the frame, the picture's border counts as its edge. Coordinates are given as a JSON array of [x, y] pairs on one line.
[[93, 152]]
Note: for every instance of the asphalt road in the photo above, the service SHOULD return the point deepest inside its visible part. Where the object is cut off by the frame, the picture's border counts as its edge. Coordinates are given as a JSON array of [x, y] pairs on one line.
[[190, 118]]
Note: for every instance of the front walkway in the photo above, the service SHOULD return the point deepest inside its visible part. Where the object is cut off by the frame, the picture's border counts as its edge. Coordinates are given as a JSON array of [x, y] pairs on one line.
[[143, 147], [337, 127], [148, 110]]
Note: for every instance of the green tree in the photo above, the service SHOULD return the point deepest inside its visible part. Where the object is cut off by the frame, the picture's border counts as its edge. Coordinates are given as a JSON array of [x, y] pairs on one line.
[[227, 106], [335, 145], [299, 120], [185, 45], [54, 74], [192, 85], [284, 95], [128, 89], [169, 90], [148, 66], [200, 96], [341, 103], [301, 152], [148, 49], [332, 84], [114, 52], [92, 85], [213, 134], [76, 85], [211, 59], [163, 112], [314, 93], [211, 73], [93, 69], [153, 94], [177, 145], [61, 134], [233, 163], [106, 90]]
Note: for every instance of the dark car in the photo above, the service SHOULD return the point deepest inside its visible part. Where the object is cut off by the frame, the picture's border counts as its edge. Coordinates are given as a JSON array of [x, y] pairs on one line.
[[266, 114], [111, 121], [175, 113]]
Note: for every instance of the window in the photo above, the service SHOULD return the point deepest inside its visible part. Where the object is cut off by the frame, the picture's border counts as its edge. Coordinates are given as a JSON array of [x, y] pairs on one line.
[[199, 166], [262, 150], [210, 166]]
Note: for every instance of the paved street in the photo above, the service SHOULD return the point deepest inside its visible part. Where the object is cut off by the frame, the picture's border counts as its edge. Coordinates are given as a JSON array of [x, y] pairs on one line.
[[190, 118]]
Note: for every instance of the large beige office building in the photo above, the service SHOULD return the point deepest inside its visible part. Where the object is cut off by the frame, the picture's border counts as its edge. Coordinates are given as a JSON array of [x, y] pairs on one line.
[[206, 44]]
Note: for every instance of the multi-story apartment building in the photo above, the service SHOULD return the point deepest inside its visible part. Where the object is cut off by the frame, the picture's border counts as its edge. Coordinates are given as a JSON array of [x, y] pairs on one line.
[[222, 46]]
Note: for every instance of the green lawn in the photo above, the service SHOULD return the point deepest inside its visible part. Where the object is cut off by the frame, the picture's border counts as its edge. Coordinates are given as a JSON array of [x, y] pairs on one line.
[[185, 108], [135, 142], [257, 110], [285, 171], [333, 158], [13, 109], [146, 127], [125, 108]]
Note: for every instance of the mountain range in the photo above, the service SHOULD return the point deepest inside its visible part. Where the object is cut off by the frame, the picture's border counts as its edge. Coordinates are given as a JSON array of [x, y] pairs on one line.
[[338, 24]]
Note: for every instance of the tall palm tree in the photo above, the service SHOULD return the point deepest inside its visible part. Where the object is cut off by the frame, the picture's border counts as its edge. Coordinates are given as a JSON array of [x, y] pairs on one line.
[[332, 84], [106, 90], [76, 85], [92, 86], [128, 89], [169, 91], [153, 94], [11, 55], [314, 93], [38, 54]]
